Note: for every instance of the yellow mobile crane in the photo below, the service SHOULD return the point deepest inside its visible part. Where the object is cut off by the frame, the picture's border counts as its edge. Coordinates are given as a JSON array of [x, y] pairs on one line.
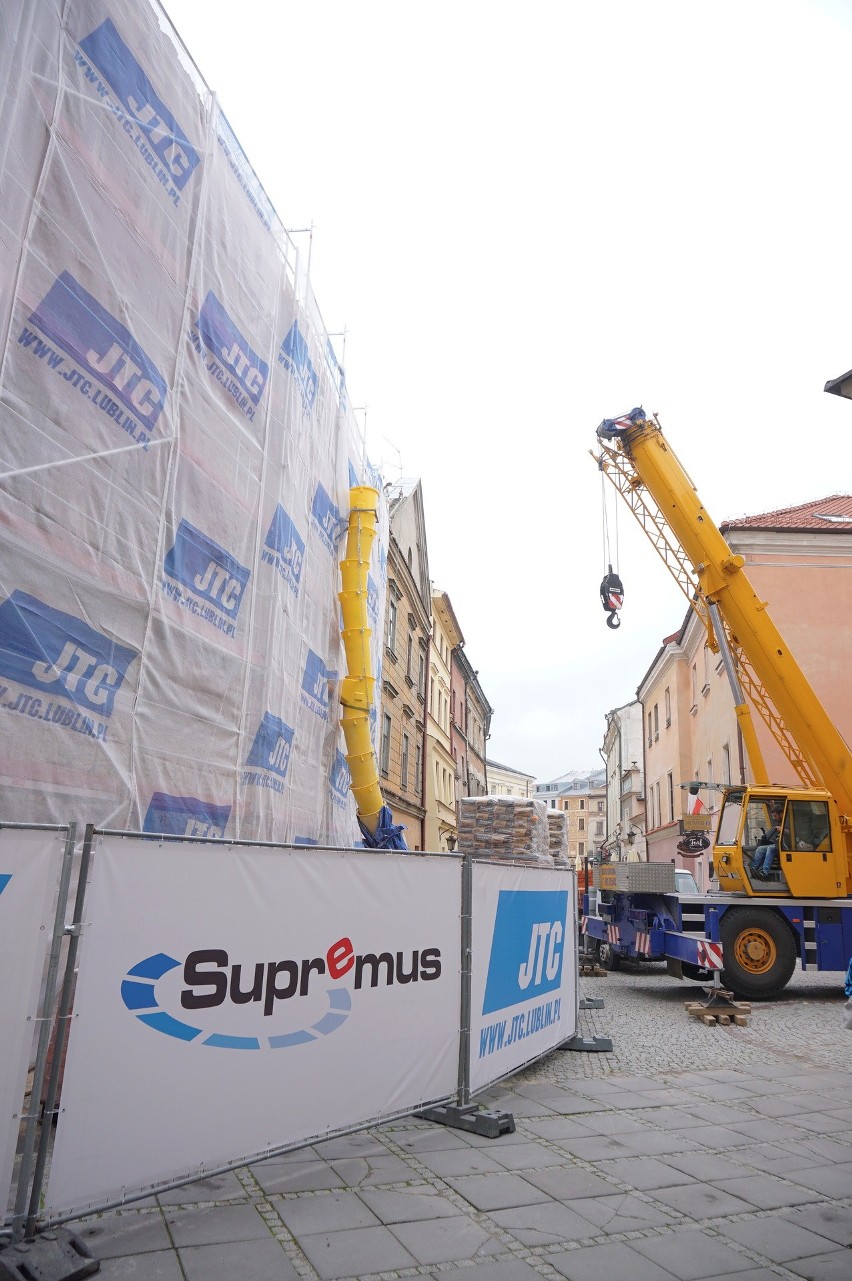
[[789, 912]]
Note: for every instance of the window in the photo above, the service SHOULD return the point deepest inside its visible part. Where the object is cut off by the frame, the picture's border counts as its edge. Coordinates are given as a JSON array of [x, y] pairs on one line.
[[599, 829], [404, 771], [706, 687], [726, 763], [651, 822], [386, 738], [668, 706], [582, 803], [421, 676], [670, 778], [418, 767], [390, 639], [694, 690], [656, 721], [600, 807], [657, 803], [582, 824], [582, 849], [650, 730], [408, 649]]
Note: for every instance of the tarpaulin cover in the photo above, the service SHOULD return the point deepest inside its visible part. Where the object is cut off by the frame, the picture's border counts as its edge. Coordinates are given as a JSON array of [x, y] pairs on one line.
[[176, 453]]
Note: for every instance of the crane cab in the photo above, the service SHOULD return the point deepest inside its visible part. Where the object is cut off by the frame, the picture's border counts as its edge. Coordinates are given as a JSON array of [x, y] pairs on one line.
[[809, 859]]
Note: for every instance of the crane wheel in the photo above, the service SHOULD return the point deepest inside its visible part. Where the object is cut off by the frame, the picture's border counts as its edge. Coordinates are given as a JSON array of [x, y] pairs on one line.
[[759, 952], [609, 959]]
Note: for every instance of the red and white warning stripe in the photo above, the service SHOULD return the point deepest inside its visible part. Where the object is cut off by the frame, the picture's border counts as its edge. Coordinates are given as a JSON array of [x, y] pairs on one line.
[[612, 934], [584, 924], [642, 942], [710, 955]]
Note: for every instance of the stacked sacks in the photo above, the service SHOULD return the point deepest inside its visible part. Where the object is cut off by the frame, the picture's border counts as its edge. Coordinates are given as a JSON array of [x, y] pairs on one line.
[[557, 827], [510, 829]]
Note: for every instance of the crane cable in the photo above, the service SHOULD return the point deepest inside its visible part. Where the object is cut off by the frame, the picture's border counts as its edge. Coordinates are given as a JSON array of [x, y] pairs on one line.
[[612, 590]]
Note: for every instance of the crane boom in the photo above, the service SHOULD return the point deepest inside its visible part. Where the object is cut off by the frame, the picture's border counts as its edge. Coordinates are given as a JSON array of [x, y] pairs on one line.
[[640, 462]]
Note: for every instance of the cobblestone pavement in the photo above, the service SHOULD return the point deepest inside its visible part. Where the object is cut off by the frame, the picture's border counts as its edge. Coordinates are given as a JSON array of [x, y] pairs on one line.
[[689, 1152]]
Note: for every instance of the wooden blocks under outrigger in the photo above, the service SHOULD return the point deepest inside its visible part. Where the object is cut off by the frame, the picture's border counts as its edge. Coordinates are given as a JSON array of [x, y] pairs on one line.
[[719, 1009]]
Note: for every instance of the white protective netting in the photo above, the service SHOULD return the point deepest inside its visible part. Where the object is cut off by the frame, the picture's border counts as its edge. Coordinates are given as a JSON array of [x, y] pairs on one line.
[[176, 453]]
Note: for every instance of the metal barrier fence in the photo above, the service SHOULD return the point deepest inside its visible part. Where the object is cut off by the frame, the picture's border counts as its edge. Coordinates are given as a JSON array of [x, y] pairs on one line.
[[239, 1000]]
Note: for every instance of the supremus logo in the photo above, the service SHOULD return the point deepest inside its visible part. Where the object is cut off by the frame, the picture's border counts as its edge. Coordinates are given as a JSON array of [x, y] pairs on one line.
[[284, 548], [267, 762], [293, 354], [315, 683], [209, 573], [525, 965], [75, 321], [326, 517], [185, 816], [235, 364], [147, 121], [246, 994], [62, 657]]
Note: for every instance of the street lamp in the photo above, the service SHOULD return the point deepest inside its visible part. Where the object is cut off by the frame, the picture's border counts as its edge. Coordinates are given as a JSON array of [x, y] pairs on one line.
[[841, 386]]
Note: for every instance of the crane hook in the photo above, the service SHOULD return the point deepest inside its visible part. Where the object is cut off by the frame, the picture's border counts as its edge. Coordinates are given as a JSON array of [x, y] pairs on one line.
[[612, 598]]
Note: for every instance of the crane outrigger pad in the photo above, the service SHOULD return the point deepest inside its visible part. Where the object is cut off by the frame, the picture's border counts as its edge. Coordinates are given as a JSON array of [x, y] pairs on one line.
[[587, 1044], [720, 1007]]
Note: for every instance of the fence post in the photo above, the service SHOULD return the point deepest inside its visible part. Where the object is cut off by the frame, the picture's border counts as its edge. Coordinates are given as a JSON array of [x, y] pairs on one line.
[[44, 1030], [466, 969], [62, 1020]]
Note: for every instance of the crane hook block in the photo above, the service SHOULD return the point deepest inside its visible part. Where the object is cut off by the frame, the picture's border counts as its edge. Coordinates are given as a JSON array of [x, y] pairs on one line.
[[612, 597]]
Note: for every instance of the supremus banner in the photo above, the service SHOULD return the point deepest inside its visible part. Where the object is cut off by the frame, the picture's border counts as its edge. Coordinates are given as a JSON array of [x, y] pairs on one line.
[[29, 869], [524, 967], [234, 1000]]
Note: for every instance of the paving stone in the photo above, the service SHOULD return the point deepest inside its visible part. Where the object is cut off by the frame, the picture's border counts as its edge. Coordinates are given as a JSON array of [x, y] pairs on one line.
[[616, 1261], [568, 1183], [497, 1191], [646, 1173], [123, 1232], [161, 1265], [526, 1156], [547, 1224], [360, 1144], [767, 1192], [558, 1127], [298, 1176], [325, 1212], [599, 1148], [705, 1167], [355, 1252], [776, 1238], [503, 1270], [763, 1130], [833, 1222], [692, 1255], [823, 1267], [816, 1123], [253, 1260], [610, 1123], [790, 1105], [458, 1161], [622, 1212], [833, 1181], [438, 1139], [356, 1172], [208, 1225], [702, 1201], [654, 1143], [446, 1240], [408, 1205]]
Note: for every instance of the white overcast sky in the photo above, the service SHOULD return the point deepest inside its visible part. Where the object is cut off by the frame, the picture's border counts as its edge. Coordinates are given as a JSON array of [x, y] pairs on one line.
[[530, 217]]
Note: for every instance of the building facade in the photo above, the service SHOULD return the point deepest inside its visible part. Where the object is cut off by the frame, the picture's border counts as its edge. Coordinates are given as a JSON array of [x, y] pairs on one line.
[[505, 781], [407, 628], [470, 714], [625, 785], [440, 786]]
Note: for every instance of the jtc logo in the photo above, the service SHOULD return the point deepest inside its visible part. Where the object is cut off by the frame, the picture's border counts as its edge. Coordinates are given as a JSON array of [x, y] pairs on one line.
[[287, 545], [223, 339], [327, 518], [185, 816], [315, 684], [5, 878], [77, 323], [58, 653], [207, 569], [272, 745], [293, 355], [108, 52], [526, 947]]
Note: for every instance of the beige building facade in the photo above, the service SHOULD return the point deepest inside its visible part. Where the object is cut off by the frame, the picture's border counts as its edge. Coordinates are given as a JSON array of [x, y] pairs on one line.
[[505, 781], [407, 625], [440, 785]]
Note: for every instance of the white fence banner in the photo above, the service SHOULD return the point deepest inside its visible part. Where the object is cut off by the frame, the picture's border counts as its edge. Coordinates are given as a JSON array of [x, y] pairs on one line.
[[234, 1000], [524, 967], [29, 869]]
